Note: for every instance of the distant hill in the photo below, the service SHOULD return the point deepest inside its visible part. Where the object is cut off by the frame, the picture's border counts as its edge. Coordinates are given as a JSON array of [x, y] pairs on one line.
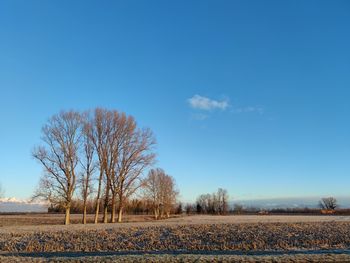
[[294, 202], [8, 205]]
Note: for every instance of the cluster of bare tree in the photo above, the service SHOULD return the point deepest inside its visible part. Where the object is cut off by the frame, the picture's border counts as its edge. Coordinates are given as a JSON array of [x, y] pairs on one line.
[[77, 146], [159, 188], [137, 205], [215, 203]]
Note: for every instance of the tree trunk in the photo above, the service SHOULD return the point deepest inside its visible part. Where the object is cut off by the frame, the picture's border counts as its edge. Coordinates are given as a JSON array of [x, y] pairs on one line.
[[98, 198], [105, 214], [113, 209], [84, 214], [97, 211], [120, 205], [120, 214], [156, 213], [105, 208], [67, 216]]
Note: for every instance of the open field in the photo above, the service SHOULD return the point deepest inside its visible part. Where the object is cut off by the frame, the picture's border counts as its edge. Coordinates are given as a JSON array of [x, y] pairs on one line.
[[185, 239], [57, 219]]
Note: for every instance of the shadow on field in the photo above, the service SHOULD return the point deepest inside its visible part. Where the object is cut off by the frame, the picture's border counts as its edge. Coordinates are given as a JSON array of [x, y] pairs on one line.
[[177, 252]]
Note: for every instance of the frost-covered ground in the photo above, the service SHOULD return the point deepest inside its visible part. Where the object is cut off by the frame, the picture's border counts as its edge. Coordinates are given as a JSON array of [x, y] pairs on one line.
[[297, 258], [185, 239], [30, 222]]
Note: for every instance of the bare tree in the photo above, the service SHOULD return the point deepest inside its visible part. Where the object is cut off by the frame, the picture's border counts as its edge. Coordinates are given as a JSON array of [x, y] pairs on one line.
[[215, 203], [109, 133], [160, 189], [123, 152], [169, 194], [328, 203], [98, 130], [111, 126], [179, 209], [45, 191], [118, 133], [59, 157], [238, 209], [135, 154], [152, 189], [189, 208], [204, 203], [88, 167], [222, 196]]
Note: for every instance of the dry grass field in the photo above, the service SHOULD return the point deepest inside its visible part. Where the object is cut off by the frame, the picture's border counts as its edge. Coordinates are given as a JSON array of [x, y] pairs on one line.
[[181, 239], [57, 219], [20, 221]]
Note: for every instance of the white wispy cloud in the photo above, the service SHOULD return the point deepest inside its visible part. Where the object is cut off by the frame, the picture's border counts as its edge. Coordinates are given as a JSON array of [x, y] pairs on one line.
[[205, 106], [203, 103]]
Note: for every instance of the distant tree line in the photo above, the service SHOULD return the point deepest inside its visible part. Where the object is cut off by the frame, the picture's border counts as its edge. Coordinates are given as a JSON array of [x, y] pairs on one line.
[[217, 204], [100, 156]]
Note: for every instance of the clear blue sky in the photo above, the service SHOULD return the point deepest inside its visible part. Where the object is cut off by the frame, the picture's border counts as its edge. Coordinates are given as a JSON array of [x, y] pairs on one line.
[[269, 82]]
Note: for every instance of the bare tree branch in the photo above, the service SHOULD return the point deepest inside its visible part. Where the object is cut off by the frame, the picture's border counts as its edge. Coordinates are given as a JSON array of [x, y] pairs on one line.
[[59, 157]]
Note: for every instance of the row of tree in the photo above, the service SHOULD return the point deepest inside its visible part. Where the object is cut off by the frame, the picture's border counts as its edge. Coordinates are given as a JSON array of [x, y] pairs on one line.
[[102, 152], [215, 203], [137, 205]]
